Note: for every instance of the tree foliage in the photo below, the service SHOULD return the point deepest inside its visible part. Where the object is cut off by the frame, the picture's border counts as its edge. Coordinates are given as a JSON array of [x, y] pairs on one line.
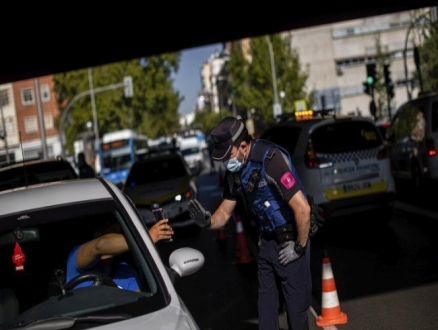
[[206, 119], [153, 110], [251, 76], [428, 51]]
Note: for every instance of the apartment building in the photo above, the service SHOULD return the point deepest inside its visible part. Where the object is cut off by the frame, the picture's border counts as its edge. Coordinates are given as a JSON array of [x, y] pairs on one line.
[[29, 111], [335, 56]]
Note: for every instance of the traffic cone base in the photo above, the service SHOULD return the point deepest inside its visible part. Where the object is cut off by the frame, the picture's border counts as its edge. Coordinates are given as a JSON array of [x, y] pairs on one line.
[[243, 255], [331, 311]]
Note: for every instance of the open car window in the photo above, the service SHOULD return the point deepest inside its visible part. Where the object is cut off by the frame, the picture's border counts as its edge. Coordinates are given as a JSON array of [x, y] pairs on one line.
[[35, 285]]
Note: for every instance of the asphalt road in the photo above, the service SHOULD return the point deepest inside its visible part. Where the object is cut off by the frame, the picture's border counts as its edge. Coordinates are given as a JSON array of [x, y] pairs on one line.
[[386, 277]]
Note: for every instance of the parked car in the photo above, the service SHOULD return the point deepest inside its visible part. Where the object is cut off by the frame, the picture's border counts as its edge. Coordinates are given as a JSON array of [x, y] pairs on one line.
[[190, 148], [412, 140], [342, 161], [36, 171], [163, 179], [39, 226]]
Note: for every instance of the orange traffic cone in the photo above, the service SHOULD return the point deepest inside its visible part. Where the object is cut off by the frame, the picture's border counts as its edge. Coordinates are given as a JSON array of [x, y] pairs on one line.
[[331, 311], [243, 255]]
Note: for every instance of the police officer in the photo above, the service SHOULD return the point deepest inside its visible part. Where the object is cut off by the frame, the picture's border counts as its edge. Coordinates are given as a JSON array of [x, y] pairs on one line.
[[262, 174]]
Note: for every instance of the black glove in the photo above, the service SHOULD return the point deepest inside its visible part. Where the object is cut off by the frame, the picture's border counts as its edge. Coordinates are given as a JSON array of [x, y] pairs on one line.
[[199, 214], [316, 220], [288, 253]]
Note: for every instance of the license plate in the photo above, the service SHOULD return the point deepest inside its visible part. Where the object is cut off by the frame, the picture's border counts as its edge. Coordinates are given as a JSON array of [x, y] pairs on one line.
[[355, 186]]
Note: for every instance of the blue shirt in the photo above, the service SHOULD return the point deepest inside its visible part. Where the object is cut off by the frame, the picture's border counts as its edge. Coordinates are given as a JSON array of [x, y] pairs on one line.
[[125, 277]]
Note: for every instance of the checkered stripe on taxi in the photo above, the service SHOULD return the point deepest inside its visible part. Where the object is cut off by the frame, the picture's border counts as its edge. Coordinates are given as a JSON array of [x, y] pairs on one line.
[[350, 156]]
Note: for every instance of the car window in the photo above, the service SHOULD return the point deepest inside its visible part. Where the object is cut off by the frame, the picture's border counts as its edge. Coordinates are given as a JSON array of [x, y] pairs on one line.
[[35, 173], [287, 137], [190, 151], [409, 122], [156, 170], [345, 136], [434, 117], [49, 236]]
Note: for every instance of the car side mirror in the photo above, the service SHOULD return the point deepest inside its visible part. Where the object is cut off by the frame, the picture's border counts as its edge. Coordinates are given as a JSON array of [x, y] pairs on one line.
[[185, 261]]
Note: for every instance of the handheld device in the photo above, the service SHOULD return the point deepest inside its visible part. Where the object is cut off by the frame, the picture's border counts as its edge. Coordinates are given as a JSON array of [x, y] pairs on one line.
[[159, 215]]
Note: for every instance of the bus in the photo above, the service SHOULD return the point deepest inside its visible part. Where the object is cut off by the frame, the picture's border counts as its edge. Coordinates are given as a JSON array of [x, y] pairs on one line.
[[118, 151]]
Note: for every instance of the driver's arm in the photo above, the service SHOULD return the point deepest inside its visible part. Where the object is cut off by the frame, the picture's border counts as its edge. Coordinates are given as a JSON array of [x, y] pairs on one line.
[[110, 244]]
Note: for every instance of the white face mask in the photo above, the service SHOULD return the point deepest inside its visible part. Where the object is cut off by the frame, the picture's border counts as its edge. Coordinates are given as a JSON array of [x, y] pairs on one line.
[[233, 164]]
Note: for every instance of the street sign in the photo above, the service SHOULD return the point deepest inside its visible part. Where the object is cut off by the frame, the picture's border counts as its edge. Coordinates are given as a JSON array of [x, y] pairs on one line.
[[300, 105], [250, 126], [129, 88], [277, 110]]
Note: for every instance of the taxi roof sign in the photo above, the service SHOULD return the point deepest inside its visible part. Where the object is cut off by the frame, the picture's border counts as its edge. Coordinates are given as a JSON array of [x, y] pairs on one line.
[[303, 115]]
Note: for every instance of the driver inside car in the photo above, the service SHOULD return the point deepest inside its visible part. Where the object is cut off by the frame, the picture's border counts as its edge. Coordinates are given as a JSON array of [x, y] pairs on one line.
[[98, 255]]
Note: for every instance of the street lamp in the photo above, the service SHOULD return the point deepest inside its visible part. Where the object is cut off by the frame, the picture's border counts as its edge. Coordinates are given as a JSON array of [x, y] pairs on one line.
[[277, 106], [282, 95]]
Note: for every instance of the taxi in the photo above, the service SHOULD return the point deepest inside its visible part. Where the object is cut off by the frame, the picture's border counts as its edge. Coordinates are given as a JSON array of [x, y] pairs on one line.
[[342, 161]]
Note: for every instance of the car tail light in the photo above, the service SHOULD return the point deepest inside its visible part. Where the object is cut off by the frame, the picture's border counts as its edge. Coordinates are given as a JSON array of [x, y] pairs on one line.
[[430, 147], [312, 161], [383, 153]]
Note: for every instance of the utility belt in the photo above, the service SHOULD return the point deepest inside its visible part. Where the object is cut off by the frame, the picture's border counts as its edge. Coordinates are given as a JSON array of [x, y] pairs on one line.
[[281, 234]]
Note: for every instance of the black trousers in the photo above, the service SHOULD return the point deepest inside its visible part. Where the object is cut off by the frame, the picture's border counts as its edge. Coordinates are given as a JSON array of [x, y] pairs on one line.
[[294, 280]]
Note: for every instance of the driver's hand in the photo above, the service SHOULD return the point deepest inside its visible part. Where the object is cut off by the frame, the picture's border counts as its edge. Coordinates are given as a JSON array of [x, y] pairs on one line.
[[160, 230]]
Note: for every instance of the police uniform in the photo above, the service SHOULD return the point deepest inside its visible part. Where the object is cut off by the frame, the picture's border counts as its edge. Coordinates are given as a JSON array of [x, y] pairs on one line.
[[267, 182]]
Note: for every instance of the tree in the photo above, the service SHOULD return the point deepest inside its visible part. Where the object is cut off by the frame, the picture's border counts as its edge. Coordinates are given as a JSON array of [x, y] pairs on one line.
[[206, 119], [153, 110], [251, 76], [428, 61]]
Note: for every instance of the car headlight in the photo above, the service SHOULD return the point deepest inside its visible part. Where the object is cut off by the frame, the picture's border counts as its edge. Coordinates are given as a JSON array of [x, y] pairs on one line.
[[189, 194]]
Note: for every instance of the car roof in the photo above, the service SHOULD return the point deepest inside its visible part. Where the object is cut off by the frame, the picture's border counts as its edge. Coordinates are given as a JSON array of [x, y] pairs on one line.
[[32, 162], [311, 122], [52, 194]]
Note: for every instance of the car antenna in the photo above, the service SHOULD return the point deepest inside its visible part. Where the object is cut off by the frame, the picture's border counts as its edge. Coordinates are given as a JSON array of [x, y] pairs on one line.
[[24, 167]]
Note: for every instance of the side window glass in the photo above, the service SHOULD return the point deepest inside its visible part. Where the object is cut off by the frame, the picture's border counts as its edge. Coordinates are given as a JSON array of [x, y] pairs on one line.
[[409, 123], [434, 117]]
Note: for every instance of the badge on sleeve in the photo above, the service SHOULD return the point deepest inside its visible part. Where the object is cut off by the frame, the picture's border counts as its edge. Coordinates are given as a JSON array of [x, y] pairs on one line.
[[287, 180]]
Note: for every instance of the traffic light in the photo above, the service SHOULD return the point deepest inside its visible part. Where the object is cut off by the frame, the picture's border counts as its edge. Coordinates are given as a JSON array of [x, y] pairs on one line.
[[367, 89], [388, 81], [371, 74]]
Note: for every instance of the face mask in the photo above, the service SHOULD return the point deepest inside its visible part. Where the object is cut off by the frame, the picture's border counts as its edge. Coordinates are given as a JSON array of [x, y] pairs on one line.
[[233, 165]]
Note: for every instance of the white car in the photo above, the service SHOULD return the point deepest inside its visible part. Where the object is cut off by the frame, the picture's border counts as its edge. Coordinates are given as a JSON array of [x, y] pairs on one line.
[[342, 161], [193, 154], [39, 226]]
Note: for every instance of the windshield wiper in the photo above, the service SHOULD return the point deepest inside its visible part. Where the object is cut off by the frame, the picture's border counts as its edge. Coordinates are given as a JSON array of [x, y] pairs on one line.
[[58, 323]]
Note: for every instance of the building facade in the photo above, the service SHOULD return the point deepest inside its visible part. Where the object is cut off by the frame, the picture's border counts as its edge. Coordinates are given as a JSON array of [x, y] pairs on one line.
[[29, 110], [336, 55]]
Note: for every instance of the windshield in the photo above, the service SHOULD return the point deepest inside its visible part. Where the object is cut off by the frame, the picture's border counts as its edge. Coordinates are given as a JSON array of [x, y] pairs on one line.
[[117, 159], [156, 170], [346, 136], [190, 151], [36, 274]]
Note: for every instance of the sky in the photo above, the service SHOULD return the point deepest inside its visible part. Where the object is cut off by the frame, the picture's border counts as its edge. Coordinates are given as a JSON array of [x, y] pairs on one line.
[[188, 79]]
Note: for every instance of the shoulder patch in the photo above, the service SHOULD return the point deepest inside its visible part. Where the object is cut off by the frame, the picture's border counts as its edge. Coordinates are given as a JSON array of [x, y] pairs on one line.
[[287, 180]]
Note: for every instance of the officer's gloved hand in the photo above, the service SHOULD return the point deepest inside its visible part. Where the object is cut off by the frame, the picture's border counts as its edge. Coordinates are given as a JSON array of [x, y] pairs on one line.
[[199, 214], [288, 253], [317, 214], [316, 220]]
